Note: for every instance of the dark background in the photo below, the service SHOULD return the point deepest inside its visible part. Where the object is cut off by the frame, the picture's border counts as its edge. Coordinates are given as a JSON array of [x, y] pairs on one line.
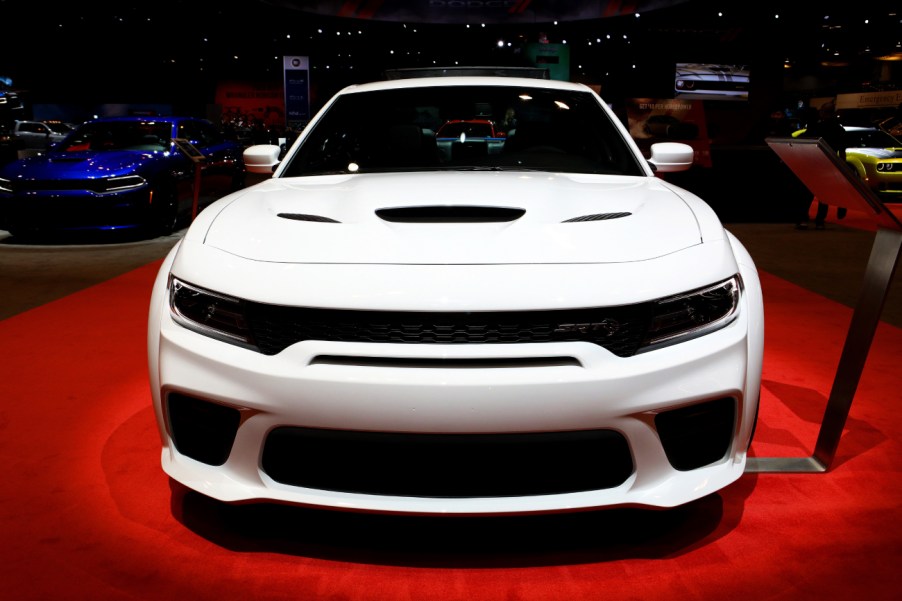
[[176, 51]]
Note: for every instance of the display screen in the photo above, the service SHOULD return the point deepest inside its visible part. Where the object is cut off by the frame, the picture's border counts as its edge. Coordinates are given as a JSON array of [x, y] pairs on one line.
[[711, 81]]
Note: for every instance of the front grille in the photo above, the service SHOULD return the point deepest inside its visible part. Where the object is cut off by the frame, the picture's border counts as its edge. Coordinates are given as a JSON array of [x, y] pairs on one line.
[[94, 185], [621, 330], [447, 465]]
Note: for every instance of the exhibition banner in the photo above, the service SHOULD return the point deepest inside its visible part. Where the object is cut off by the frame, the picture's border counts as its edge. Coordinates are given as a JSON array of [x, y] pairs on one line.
[[244, 105], [864, 100], [297, 91], [653, 120]]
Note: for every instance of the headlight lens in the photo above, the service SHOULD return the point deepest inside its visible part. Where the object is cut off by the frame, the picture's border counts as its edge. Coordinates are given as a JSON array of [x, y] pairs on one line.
[[210, 313], [124, 182], [6, 185], [684, 316], [888, 167]]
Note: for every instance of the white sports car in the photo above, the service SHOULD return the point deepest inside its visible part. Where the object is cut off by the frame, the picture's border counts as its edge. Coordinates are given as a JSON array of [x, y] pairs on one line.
[[392, 325]]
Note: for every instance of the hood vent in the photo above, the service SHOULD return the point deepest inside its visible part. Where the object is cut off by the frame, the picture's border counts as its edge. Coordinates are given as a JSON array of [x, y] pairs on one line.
[[597, 217], [450, 214], [303, 217]]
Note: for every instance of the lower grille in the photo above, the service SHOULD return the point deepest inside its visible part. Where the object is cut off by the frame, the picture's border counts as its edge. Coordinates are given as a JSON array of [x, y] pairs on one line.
[[447, 465]]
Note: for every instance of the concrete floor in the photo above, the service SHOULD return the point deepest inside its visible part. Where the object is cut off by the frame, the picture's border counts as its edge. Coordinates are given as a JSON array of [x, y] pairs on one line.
[[830, 262], [34, 274]]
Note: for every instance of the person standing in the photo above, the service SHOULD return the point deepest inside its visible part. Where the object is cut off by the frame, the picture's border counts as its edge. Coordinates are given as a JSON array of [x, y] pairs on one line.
[[829, 128]]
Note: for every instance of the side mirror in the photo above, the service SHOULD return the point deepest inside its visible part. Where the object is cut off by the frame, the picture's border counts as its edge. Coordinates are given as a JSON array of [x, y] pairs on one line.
[[668, 157], [262, 158]]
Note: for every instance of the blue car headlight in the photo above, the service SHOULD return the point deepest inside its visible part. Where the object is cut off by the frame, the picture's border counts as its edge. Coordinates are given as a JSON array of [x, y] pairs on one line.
[[118, 184]]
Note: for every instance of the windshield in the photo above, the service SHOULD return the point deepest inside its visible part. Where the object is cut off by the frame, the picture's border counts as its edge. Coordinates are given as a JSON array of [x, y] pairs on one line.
[[870, 138], [463, 128], [119, 135]]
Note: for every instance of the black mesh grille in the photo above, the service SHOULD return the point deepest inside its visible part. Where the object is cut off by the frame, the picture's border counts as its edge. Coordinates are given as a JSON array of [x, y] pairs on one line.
[[94, 185], [447, 465], [618, 329]]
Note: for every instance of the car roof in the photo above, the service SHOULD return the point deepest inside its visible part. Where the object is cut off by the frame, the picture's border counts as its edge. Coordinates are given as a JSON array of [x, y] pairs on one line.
[[428, 82]]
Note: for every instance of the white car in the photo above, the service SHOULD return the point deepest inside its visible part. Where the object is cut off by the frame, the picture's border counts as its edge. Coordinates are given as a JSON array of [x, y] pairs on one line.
[[387, 326], [40, 135]]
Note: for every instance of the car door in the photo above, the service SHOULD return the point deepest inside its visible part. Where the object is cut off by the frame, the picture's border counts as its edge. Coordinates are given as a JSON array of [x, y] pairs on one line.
[[33, 134]]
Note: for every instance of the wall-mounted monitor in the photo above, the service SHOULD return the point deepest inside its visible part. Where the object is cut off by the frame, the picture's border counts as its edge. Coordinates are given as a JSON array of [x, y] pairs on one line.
[[711, 81]]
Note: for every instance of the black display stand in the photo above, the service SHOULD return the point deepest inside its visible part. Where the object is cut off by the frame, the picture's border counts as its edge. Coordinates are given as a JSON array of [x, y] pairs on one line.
[[834, 183]]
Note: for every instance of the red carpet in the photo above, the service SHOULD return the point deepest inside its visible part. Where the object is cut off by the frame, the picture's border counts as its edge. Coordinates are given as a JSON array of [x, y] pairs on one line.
[[856, 219], [88, 514]]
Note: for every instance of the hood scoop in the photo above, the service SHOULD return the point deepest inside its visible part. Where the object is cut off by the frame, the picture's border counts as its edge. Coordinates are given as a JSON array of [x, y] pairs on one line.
[[597, 217], [450, 214], [305, 217]]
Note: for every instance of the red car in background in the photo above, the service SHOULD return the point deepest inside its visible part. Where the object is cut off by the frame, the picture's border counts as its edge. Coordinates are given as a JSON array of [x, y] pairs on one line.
[[473, 128]]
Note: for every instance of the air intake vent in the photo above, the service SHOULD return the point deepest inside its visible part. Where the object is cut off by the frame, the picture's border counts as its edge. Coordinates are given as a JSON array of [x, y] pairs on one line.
[[598, 217], [303, 217], [450, 214]]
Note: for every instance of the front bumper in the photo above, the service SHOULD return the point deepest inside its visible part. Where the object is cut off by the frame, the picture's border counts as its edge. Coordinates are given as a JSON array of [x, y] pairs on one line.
[[351, 391], [82, 210]]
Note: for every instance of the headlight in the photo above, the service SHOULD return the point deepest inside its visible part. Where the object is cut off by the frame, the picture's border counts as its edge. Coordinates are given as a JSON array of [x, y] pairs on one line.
[[887, 167], [692, 314], [5, 185], [209, 313], [113, 184]]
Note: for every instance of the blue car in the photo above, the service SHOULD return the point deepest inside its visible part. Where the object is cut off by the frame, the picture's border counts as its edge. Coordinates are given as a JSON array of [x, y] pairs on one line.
[[121, 173]]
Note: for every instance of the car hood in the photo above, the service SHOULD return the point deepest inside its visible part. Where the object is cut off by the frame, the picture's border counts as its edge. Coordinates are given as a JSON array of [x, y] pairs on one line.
[[455, 218], [880, 153], [78, 165]]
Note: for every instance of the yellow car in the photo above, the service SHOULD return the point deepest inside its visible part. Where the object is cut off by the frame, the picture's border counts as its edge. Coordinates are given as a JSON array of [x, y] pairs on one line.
[[877, 158]]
